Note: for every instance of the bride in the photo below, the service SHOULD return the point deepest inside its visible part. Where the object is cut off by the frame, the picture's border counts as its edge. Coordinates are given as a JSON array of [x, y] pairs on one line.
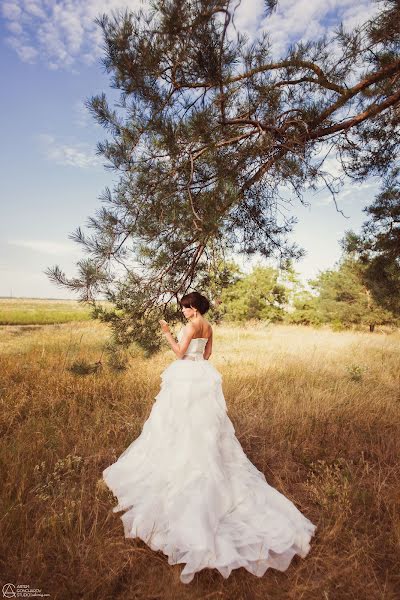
[[186, 485]]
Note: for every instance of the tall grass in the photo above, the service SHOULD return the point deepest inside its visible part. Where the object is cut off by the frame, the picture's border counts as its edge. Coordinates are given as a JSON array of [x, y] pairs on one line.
[[318, 412]]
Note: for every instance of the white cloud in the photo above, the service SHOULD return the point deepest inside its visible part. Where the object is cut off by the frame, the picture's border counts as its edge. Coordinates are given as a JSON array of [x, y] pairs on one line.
[[248, 16], [350, 192], [332, 166], [25, 52], [295, 20], [75, 155], [62, 32], [15, 27], [358, 12], [35, 9], [10, 10], [46, 246]]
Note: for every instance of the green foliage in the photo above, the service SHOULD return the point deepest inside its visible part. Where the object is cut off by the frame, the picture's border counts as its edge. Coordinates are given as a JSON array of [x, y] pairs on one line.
[[304, 309], [344, 300], [255, 296], [378, 245], [223, 277]]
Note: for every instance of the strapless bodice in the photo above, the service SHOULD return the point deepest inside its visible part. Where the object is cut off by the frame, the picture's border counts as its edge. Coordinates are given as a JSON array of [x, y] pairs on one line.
[[196, 346]]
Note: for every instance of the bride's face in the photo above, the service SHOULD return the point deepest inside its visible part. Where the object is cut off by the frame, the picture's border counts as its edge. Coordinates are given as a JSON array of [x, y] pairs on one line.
[[188, 312]]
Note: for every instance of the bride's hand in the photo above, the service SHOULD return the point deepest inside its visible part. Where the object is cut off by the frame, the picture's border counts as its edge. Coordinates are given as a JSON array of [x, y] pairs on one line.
[[164, 326]]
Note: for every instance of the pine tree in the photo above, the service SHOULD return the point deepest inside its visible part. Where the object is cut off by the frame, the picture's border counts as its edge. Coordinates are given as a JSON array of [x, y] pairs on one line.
[[258, 295], [344, 300], [208, 130], [378, 245]]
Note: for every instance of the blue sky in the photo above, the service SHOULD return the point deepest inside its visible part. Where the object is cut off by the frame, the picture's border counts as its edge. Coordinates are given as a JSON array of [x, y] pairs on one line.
[[51, 177]]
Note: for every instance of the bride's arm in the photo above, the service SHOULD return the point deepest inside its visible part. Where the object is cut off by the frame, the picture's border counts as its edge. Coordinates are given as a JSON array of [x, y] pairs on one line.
[[208, 348], [178, 347]]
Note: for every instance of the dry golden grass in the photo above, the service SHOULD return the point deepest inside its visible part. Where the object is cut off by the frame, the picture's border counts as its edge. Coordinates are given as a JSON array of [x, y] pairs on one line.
[[318, 412]]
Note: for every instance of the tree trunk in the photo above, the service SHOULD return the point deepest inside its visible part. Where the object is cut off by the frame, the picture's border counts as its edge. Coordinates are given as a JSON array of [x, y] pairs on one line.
[[371, 327]]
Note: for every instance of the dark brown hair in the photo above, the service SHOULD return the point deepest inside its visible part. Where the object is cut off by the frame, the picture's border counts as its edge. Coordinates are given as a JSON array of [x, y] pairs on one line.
[[196, 300]]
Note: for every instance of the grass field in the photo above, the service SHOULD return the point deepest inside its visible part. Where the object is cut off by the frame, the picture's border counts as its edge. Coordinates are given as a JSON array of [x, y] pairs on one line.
[[35, 311], [317, 412]]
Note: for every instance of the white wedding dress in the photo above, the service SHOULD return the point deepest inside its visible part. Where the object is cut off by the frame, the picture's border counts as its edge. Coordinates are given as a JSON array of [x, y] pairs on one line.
[[189, 490]]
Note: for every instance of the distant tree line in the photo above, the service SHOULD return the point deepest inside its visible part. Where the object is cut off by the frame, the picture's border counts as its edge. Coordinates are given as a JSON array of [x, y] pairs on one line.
[[340, 297], [363, 290]]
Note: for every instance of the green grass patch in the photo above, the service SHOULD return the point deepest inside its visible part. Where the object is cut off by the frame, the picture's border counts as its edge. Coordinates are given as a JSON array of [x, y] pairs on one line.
[[37, 311]]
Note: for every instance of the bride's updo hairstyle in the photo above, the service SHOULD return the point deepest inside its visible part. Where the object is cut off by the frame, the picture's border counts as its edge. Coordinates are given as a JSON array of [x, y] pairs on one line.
[[195, 300]]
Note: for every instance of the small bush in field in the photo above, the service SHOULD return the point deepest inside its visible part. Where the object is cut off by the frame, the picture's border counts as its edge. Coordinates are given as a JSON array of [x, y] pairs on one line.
[[356, 372], [84, 367]]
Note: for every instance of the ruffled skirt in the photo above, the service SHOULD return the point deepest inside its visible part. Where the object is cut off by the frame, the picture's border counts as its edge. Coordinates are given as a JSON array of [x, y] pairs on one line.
[[189, 490]]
